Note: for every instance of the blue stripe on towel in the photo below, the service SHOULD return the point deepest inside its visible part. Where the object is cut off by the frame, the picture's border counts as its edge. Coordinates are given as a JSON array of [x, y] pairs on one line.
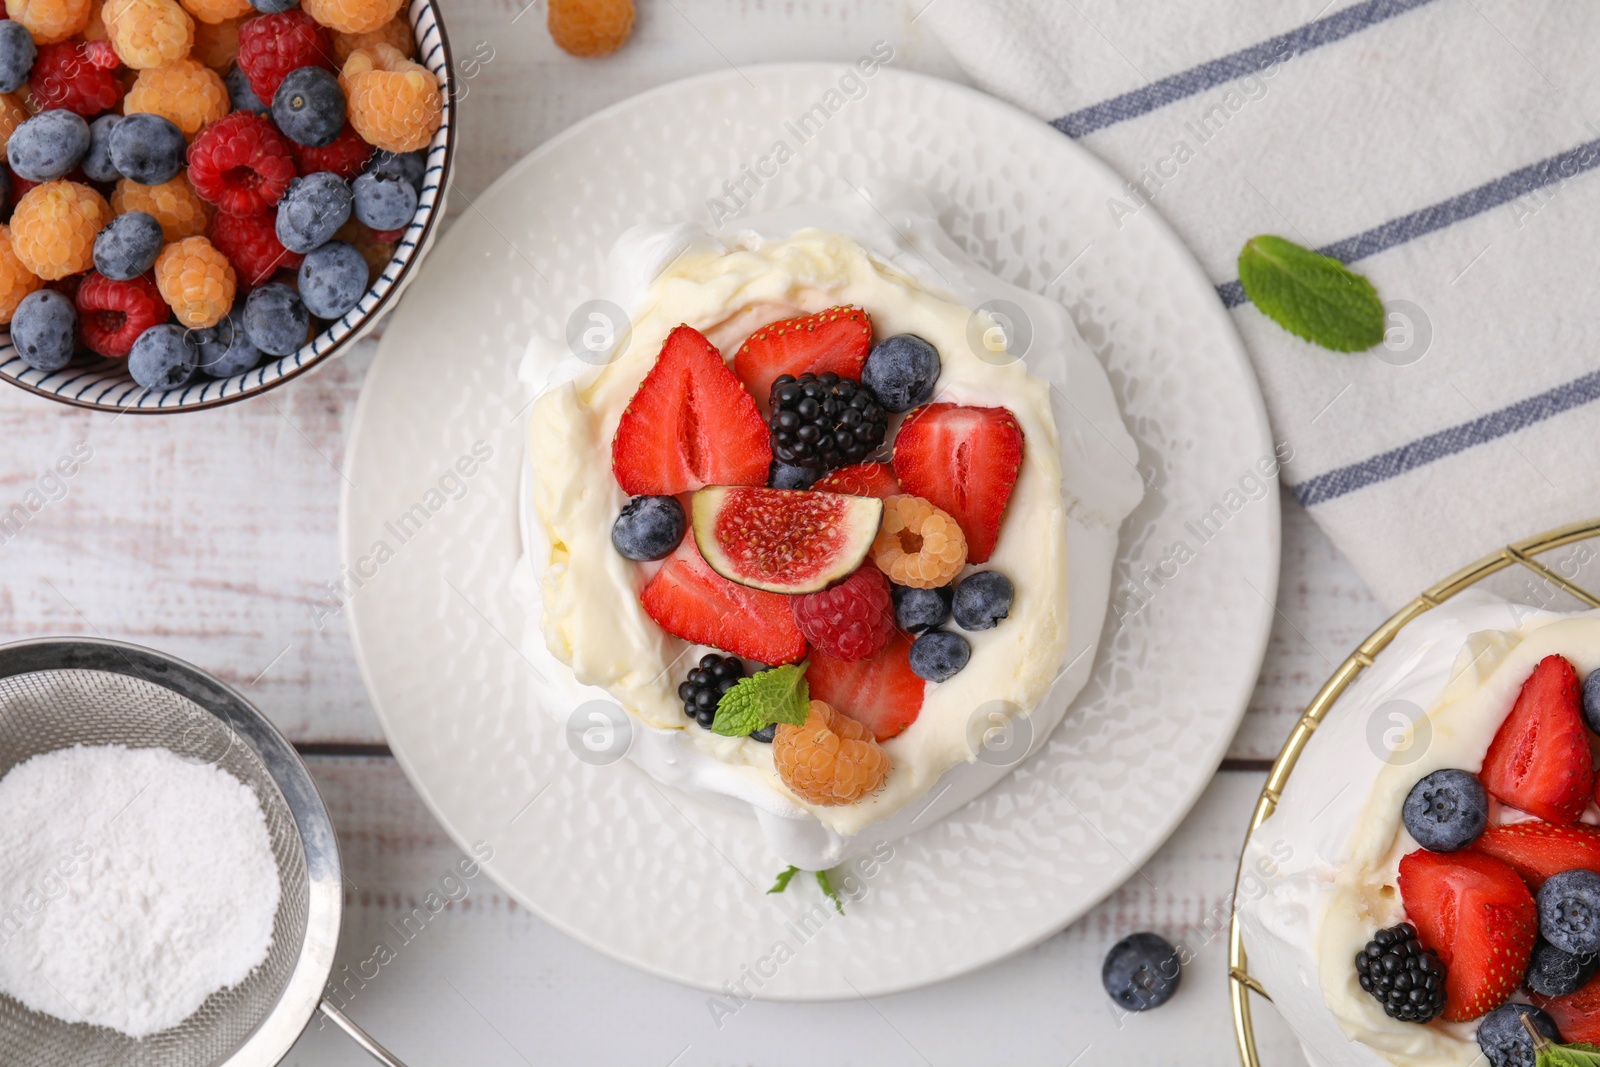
[[1426, 220], [1425, 450], [1229, 68]]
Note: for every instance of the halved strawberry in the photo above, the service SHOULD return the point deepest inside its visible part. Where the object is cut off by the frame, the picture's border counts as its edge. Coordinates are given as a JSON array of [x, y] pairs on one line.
[[1476, 913], [880, 692], [965, 461], [1576, 1015], [862, 479], [691, 424], [688, 599], [1537, 850], [1539, 760], [837, 339]]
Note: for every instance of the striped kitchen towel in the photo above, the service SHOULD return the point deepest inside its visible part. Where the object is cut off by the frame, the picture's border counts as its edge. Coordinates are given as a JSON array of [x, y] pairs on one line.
[[1447, 149]]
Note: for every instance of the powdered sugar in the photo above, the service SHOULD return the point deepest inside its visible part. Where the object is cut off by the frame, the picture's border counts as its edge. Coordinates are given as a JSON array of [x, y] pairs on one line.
[[133, 885]]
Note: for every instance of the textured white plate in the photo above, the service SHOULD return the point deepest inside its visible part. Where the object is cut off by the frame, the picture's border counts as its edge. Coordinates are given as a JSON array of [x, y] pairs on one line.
[[674, 886]]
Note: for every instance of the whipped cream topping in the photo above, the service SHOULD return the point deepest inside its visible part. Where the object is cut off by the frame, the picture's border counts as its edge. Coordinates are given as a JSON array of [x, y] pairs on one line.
[[586, 629], [1321, 874]]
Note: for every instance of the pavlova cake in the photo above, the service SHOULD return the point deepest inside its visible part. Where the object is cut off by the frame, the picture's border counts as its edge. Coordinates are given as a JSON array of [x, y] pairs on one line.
[[814, 513], [1427, 891]]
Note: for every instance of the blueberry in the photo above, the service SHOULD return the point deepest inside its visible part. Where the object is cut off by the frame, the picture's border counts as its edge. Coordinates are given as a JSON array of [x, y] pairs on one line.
[[1569, 911], [17, 53], [1141, 971], [332, 279], [44, 330], [273, 7], [48, 146], [407, 166], [765, 734], [649, 527], [939, 655], [97, 163], [311, 210], [225, 349], [1506, 1042], [128, 246], [785, 476], [981, 600], [919, 610], [382, 202], [275, 319], [240, 96], [308, 107], [901, 371], [1553, 973], [1591, 701], [148, 149], [162, 358], [1446, 811]]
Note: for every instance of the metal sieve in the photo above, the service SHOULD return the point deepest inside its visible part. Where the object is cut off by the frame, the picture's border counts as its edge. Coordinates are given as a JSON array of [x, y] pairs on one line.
[[59, 693]]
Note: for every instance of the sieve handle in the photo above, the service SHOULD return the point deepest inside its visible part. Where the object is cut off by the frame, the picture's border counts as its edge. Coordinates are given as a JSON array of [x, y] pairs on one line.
[[360, 1036]]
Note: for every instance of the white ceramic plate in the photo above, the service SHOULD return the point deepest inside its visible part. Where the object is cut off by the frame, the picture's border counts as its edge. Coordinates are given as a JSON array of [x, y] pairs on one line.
[[674, 886]]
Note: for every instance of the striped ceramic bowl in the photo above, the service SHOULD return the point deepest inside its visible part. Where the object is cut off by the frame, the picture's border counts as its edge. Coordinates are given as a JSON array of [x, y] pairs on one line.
[[104, 383]]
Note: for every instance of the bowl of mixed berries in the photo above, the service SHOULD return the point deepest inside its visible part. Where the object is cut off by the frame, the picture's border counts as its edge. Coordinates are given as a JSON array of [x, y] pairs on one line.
[[205, 198]]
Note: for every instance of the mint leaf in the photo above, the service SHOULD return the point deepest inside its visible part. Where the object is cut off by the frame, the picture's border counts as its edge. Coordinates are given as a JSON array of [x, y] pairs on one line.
[[826, 885], [1549, 1054], [784, 877], [777, 695], [1311, 295]]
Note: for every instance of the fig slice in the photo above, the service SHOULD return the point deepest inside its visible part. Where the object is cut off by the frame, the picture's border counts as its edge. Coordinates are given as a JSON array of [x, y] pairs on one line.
[[783, 540]]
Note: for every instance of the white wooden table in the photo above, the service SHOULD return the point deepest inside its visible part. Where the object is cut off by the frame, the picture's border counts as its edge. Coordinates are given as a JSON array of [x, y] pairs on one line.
[[212, 536]]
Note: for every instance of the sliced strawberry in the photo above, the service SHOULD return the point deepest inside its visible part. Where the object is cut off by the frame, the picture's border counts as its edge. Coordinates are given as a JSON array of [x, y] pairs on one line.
[[691, 424], [1539, 761], [1576, 1015], [688, 599], [837, 339], [881, 692], [863, 479], [1537, 850], [1476, 913], [965, 461]]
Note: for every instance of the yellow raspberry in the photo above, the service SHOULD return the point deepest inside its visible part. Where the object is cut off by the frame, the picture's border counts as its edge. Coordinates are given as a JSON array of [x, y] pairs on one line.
[[148, 33], [196, 281], [215, 11], [358, 235], [351, 16], [590, 27], [187, 93], [394, 104], [50, 21], [216, 44], [16, 281], [173, 203], [13, 113], [54, 227], [396, 33], [95, 28], [918, 545], [831, 760]]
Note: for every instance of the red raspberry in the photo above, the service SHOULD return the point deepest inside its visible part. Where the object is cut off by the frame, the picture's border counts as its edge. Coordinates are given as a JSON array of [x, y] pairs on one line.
[[112, 315], [240, 163], [270, 46], [849, 621], [76, 76], [346, 155], [251, 244]]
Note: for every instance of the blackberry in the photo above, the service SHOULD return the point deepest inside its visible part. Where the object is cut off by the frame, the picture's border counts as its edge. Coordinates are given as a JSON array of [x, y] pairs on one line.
[[705, 685], [1402, 975], [823, 421]]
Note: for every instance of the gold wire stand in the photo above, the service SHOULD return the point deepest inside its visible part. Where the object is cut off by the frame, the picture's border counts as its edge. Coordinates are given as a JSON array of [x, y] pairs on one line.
[[1240, 984]]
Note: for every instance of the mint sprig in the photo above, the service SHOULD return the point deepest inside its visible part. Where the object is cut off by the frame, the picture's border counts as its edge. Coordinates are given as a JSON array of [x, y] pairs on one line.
[[824, 883], [779, 695], [1549, 1054], [1313, 296]]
